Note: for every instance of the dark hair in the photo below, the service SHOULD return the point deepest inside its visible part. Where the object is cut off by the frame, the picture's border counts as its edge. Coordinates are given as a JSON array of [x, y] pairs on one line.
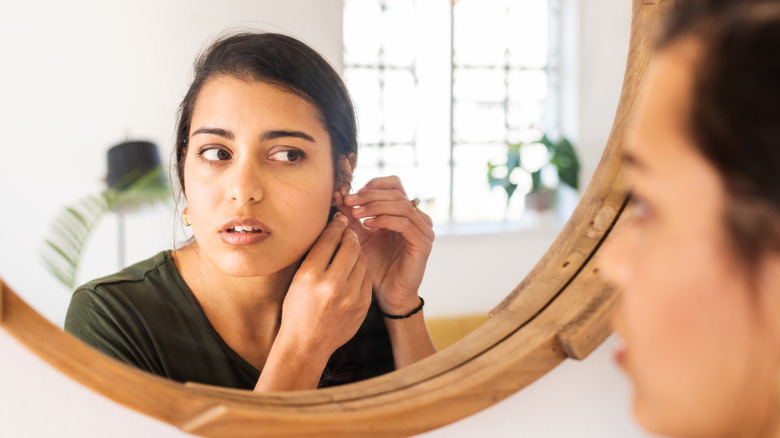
[[287, 63], [734, 115]]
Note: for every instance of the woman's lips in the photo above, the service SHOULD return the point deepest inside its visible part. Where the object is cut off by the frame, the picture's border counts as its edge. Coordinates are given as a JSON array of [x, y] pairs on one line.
[[243, 239], [620, 351], [242, 231]]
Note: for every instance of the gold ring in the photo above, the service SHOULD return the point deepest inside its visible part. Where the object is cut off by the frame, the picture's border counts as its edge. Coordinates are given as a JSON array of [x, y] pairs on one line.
[[415, 202]]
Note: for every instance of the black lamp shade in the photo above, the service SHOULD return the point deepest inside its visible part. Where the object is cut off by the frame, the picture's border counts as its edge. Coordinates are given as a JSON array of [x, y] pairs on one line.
[[130, 160]]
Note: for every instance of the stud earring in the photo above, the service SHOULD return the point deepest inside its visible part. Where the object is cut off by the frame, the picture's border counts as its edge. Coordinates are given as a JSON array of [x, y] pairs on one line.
[[185, 217]]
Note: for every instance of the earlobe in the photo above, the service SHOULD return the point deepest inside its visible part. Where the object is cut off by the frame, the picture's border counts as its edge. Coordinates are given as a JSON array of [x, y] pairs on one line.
[[337, 203], [338, 199]]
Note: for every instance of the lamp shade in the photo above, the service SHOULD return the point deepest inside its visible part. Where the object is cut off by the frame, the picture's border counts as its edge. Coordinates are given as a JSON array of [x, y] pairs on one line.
[[130, 160]]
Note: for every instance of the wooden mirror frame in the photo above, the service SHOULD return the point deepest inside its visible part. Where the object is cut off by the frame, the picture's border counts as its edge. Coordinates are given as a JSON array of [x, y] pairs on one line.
[[560, 310]]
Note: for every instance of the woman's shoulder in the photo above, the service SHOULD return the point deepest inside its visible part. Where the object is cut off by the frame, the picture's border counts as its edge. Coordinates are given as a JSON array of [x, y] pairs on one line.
[[144, 294], [122, 314], [138, 272], [146, 287]]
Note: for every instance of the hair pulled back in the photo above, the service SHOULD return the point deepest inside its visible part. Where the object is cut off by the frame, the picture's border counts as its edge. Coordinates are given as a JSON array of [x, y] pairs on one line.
[[734, 116]]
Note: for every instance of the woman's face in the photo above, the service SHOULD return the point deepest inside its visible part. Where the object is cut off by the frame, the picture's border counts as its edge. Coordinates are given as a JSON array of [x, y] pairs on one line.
[[259, 176], [694, 328]]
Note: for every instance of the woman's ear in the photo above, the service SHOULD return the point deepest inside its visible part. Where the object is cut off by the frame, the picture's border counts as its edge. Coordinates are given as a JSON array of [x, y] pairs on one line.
[[346, 168]]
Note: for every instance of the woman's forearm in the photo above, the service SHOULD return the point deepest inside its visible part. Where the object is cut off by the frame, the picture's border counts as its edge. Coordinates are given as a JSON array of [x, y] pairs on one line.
[[410, 339], [290, 368]]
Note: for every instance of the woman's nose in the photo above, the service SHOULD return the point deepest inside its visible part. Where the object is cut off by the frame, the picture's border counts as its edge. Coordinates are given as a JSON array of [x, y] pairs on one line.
[[614, 258], [245, 182]]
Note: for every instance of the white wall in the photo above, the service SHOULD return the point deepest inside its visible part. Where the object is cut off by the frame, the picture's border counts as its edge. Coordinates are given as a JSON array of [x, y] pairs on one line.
[[59, 113], [78, 77]]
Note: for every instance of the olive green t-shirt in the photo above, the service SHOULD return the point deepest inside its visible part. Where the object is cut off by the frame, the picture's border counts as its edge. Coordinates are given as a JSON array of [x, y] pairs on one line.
[[146, 316]]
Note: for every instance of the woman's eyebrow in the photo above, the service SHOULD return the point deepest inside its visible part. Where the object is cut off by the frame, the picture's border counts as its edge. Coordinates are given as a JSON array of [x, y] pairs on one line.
[[214, 131], [272, 135]]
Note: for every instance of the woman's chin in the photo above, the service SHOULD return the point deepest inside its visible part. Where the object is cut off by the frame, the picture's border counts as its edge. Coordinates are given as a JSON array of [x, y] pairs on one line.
[[649, 419], [252, 265], [247, 269], [665, 419]]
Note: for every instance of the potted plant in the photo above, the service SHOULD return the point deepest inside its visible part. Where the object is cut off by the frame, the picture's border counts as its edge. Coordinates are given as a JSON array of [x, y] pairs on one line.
[[136, 179], [559, 154]]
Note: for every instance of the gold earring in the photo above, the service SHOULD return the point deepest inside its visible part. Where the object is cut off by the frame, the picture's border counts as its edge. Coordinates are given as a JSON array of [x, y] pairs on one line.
[[185, 217]]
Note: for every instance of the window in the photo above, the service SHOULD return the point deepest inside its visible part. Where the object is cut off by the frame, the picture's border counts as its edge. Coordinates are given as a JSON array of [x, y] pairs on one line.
[[442, 88]]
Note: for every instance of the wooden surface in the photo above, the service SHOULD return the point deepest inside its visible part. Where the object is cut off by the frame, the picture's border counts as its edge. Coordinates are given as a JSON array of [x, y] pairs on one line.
[[561, 309]]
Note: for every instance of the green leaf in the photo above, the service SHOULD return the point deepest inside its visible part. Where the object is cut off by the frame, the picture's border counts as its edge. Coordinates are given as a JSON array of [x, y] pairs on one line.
[[545, 140], [492, 180], [61, 274], [76, 218], [71, 228], [64, 256], [513, 157], [510, 190], [536, 180], [565, 160], [67, 234]]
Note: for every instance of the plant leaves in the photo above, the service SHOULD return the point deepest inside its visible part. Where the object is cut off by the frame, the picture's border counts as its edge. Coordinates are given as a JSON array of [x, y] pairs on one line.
[[560, 154], [565, 160], [513, 157], [71, 228]]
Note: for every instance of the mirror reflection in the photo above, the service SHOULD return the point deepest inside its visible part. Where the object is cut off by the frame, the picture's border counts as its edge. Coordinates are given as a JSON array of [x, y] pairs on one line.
[[289, 281], [454, 97], [116, 82], [438, 109]]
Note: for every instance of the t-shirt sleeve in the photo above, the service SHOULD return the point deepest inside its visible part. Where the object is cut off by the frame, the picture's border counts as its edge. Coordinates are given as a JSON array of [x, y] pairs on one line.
[[106, 323]]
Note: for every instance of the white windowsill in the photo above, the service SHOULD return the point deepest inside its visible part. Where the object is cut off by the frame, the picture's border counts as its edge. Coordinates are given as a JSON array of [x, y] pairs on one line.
[[531, 227]]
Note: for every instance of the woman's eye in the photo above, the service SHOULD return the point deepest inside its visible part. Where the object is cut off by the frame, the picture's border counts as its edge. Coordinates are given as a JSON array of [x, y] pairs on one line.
[[638, 207], [215, 154], [289, 155]]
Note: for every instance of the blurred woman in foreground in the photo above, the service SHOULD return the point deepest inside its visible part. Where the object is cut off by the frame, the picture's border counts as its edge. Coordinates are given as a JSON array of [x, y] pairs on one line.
[[699, 260]]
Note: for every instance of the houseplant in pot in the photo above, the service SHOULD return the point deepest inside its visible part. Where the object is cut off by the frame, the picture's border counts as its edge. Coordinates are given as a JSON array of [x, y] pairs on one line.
[[559, 156], [136, 179]]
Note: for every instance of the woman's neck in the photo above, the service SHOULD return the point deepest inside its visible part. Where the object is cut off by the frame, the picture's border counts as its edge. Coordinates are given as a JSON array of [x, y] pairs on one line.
[[245, 311]]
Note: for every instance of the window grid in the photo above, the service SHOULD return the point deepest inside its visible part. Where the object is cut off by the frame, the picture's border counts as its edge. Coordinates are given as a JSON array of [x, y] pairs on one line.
[[510, 70]]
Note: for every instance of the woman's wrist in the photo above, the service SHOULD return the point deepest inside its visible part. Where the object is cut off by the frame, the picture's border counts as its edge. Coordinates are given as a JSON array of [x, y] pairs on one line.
[[405, 315], [410, 339], [302, 347], [292, 366]]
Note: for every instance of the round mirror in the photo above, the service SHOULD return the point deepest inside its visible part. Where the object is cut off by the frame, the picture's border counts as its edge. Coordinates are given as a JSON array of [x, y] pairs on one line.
[[560, 310], [96, 92]]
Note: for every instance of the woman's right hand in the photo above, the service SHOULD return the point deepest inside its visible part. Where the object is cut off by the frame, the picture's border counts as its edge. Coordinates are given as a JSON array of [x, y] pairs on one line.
[[325, 305]]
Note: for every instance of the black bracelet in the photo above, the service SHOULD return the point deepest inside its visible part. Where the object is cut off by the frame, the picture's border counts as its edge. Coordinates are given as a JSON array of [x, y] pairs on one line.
[[417, 309]]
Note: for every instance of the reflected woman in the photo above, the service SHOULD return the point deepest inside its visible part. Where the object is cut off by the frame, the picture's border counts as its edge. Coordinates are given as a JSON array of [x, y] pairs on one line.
[[289, 281], [699, 259]]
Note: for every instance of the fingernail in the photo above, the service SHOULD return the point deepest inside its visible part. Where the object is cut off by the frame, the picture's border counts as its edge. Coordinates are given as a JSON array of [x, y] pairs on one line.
[[341, 218], [359, 210], [350, 198]]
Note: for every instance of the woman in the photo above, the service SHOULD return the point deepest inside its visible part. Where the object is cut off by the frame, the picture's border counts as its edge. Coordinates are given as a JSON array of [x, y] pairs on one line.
[[699, 259], [270, 293]]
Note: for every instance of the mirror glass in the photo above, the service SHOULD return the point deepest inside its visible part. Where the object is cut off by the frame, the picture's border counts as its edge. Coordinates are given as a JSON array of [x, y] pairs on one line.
[[83, 76]]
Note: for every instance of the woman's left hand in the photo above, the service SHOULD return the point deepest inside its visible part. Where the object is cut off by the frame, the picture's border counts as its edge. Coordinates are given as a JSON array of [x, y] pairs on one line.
[[396, 237]]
